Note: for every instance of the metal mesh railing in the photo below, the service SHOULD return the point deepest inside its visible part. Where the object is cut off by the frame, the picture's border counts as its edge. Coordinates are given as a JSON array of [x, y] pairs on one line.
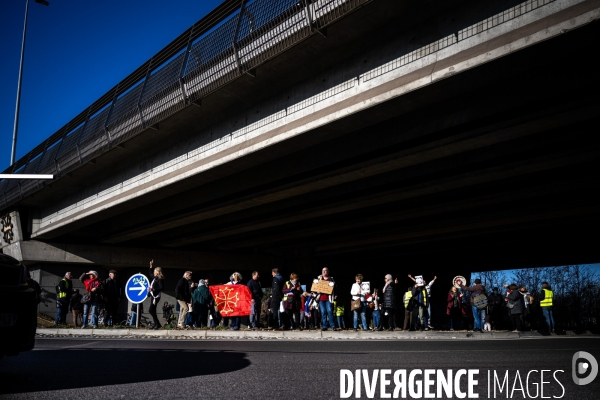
[[68, 154], [95, 136], [211, 61], [267, 28]]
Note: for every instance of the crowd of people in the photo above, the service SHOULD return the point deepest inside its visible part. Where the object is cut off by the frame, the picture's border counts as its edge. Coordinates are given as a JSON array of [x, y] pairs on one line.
[[85, 308], [514, 308], [293, 306]]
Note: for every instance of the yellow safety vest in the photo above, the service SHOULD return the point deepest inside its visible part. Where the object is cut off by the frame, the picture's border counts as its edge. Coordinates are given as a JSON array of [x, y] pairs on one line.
[[548, 295], [62, 295], [407, 297]]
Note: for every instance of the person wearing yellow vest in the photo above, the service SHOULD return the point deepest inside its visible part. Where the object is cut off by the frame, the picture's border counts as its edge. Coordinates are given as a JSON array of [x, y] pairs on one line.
[[546, 303], [408, 308], [64, 291]]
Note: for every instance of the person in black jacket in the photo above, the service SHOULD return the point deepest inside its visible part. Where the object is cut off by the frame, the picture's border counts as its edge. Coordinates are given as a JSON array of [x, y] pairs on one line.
[[257, 294], [113, 294], [496, 308], [277, 296], [75, 307], [389, 301], [183, 294], [156, 287], [516, 305]]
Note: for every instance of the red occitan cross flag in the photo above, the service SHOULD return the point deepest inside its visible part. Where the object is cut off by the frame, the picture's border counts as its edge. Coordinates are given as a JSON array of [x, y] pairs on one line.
[[232, 300]]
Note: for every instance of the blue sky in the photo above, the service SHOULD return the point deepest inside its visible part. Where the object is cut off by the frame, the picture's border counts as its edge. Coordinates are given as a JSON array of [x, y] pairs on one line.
[[76, 51], [510, 272]]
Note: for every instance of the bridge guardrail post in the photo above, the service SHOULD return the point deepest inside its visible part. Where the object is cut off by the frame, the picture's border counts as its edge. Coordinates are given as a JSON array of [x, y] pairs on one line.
[[87, 118], [62, 140], [139, 102], [112, 106], [188, 50], [309, 19], [235, 36]]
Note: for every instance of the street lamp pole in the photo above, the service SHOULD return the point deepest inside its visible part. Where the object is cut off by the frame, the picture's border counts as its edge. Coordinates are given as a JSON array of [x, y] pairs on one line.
[[18, 106]]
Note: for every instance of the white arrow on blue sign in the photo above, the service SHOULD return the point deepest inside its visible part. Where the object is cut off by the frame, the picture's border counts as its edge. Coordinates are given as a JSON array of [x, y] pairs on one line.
[[136, 288]]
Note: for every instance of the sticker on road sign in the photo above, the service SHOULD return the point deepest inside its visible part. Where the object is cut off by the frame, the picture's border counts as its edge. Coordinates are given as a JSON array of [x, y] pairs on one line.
[[136, 288]]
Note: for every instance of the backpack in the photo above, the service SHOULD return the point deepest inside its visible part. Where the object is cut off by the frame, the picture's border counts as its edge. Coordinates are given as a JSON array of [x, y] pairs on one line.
[[480, 301]]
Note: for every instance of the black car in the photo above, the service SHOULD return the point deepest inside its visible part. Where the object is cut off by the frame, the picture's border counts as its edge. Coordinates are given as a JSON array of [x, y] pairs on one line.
[[18, 308]]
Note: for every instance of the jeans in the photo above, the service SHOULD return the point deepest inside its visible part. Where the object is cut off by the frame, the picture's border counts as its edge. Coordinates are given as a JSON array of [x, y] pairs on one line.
[[92, 308], [255, 314], [326, 311], [376, 319], [61, 314], [133, 318], [235, 323], [189, 319], [549, 316], [479, 316], [341, 323], [363, 316]]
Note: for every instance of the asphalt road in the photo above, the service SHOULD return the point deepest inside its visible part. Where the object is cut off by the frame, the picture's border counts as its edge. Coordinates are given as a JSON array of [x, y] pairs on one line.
[[171, 369]]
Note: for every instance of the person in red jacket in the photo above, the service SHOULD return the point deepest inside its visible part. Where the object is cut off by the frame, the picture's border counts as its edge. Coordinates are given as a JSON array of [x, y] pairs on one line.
[[453, 308]]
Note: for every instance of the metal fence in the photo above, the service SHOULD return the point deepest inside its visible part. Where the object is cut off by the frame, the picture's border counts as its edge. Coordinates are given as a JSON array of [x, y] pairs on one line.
[[230, 41]]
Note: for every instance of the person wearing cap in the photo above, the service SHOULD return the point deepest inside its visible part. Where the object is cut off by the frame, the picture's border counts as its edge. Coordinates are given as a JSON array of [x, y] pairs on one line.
[[64, 291], [114, 295], [93, 289], [478, 315], [389, 301]]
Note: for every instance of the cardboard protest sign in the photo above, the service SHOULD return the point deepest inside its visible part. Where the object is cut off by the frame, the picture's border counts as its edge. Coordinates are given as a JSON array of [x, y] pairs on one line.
[[419, 280], [322, 287]]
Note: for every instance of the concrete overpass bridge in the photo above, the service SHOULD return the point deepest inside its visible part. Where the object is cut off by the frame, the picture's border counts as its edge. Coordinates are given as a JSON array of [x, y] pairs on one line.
[[369, 136]]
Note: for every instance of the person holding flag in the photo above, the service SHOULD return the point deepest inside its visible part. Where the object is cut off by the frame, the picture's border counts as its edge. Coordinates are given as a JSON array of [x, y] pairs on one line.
[[232, 300]]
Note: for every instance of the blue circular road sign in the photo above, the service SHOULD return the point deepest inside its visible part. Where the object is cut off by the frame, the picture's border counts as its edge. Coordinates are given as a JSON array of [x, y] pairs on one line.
[[136, 288]]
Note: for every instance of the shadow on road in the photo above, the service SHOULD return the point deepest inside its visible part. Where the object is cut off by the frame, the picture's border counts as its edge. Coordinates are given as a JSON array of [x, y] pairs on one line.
[[78, 368]]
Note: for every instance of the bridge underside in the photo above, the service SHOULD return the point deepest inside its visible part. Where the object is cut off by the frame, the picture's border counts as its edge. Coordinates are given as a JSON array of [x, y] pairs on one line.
[[492, 168]]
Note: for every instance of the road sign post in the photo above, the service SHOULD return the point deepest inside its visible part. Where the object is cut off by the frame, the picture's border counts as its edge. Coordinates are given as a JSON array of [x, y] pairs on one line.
[[136, 290]]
